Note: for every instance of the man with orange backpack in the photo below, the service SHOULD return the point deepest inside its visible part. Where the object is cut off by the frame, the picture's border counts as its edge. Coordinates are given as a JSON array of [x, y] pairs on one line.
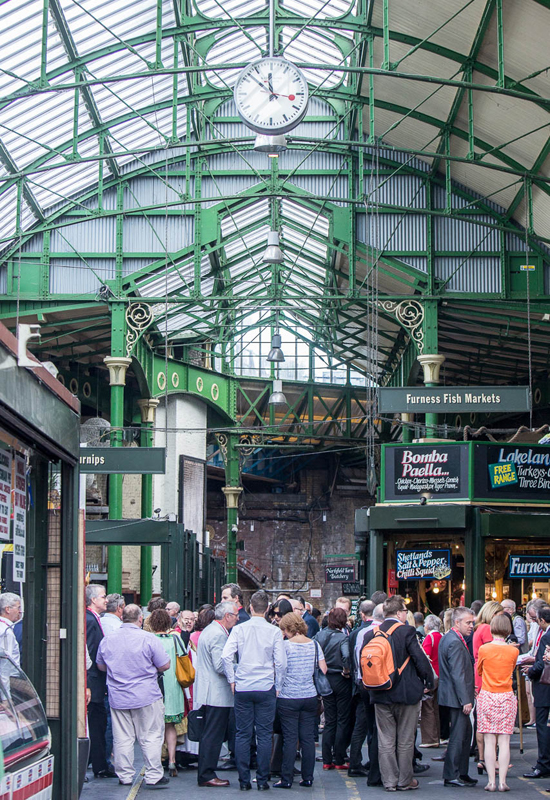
[[396, 672]]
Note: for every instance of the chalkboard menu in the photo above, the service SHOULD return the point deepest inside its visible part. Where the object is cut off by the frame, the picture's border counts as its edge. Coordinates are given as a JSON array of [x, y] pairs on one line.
[[440, 470], [351, 588], [336, 573]]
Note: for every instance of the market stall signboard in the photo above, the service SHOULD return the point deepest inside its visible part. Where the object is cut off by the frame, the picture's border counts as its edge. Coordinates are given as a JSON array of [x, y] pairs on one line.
[[337, 573], [122, 460], [439, 470], [531, 566], [512, 472], [423, 564], [351, 588], [454, 399]]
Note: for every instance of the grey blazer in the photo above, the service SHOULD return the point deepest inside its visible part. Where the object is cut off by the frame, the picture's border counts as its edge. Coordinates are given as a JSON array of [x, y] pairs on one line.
[[456, 673], [211, 687]]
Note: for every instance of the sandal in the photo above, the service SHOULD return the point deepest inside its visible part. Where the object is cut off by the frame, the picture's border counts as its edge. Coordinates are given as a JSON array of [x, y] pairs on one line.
[[481, 768]]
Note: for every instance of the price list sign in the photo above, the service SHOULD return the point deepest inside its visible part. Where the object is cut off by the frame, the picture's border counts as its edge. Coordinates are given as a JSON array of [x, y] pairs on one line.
[[5, 495], [19, 519]]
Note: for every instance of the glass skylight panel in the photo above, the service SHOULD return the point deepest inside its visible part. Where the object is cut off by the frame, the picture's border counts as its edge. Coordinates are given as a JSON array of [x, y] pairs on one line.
[[116, 99], [30, 127], [247, 241], [114, 20], [304, 242], [320, 9], [312, 47], [222, 9], [234, 47], [7, 215], [306, 217], [21, 44], [176, 281], [245, 216], [141, 133]]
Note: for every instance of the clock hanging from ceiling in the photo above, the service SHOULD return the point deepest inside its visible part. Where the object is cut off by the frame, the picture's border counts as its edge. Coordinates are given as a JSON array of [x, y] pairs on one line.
[[271, 96]]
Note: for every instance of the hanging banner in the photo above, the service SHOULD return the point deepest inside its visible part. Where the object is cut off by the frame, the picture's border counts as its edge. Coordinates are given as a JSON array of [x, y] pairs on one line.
[[440, 470], [19, 520], [512, 472], [423, 564], [5, 495]]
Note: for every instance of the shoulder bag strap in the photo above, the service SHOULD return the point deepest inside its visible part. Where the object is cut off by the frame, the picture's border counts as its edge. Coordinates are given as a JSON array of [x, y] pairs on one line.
[[177, 640]]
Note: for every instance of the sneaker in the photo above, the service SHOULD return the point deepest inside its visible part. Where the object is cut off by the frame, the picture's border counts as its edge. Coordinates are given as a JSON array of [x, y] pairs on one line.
[[429, 744]]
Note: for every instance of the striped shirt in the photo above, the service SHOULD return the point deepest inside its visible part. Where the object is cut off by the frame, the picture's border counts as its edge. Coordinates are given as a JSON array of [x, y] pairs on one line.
[[300, 660]]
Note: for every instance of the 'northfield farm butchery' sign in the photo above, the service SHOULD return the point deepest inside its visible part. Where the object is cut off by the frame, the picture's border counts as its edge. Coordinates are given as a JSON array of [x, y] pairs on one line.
[[440, 470]]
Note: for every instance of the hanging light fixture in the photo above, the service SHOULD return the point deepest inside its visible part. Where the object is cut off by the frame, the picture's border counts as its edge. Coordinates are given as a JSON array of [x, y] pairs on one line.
[[276, 354], [273, 253], [277, 397], [272, 145]]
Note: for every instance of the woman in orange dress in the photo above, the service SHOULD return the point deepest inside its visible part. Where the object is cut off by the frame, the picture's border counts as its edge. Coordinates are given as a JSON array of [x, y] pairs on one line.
[[496, 702], [482, 634]]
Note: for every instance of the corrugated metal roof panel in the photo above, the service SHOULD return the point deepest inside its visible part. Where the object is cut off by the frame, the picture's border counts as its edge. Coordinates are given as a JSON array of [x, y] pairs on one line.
[[392, 231], [73, 276], [157, 234], [94, 235], [453, 234], [475, 274]]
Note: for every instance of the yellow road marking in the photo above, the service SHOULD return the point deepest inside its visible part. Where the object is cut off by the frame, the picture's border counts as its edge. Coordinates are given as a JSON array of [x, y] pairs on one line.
[[543, 792], [136, 786]]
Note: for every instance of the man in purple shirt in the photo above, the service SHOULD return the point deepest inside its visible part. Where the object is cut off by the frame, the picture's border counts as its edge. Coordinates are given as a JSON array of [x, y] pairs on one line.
[[132, 659]]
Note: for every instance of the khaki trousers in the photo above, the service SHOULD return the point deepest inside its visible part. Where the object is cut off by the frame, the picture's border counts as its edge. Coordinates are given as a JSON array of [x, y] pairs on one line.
[[396, 724], [147, 726], [429, 720]]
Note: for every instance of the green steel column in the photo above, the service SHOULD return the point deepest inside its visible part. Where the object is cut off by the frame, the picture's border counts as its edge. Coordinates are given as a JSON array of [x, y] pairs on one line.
[[430, 360], [232, 491], [474, 560], [375, 562], [147, 407], [117, 364]]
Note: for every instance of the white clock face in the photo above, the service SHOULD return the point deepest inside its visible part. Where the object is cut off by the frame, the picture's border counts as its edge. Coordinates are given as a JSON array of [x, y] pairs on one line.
[[271, 96]]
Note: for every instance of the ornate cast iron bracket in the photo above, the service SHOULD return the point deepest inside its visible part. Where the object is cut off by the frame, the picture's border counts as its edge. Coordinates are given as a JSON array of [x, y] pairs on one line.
[[138, 318], [410, 315]]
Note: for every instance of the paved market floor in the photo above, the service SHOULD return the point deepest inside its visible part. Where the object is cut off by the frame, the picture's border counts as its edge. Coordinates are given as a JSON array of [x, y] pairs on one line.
[[332, 785]]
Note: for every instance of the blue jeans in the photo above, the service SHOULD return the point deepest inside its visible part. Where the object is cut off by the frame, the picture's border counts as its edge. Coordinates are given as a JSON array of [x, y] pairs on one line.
[[254, 709]]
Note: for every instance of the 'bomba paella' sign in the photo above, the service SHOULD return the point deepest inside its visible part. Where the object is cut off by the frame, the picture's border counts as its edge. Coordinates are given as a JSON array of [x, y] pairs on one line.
[[423, 564], [440, 470]]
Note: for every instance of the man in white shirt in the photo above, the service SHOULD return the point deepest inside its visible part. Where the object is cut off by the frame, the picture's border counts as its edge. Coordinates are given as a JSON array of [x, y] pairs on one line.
[[112, 619], [255, 679], [10, 613]]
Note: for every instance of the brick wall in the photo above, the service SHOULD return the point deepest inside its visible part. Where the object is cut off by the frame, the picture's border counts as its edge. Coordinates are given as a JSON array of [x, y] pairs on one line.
[[290, 540]]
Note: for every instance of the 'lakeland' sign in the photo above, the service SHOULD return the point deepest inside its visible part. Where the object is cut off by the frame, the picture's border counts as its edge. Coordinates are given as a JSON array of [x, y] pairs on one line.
[[440, 470], [512, 472], [454, 399]]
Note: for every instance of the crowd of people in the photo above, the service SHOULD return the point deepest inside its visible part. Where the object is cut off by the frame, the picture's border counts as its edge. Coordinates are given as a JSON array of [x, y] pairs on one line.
[[224, 689]]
